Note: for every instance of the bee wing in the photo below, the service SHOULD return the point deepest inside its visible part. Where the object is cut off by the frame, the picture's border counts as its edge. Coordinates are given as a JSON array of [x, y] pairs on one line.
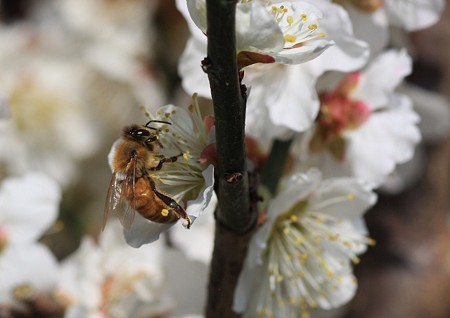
[[116, 201]]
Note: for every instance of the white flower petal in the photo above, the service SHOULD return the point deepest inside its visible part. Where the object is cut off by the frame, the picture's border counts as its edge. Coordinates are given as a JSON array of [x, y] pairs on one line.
[[388, 138], [287, 92], [193, 79], [433, 110], [197, 243], [256, 29], [28, 206], [196, 207], [371, 28], [143, 231], [355, 198], [383, 75], [348, 53], [413, 15]]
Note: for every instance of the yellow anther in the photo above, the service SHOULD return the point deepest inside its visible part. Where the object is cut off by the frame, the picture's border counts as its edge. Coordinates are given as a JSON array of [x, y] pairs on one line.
[[350, 196], [164, 212], [291, 300], [322, 34], [312, 26], [333, 237], [371, 242], [347, 243], [290, 38], [186, 155], [286, 231], [294, 218], [304, 17], [290, 19], [280, 278], [356, 260]]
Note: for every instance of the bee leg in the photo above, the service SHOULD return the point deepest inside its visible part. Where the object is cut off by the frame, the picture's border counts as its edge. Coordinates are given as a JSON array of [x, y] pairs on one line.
[[172, 204], [163, 160]]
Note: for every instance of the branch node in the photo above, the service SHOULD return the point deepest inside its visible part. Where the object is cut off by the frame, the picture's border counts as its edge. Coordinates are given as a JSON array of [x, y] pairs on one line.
[[206, 64]]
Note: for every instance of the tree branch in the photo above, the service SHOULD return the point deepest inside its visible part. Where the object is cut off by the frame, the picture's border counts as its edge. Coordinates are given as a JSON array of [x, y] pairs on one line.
[[234, 217], [229, 111]]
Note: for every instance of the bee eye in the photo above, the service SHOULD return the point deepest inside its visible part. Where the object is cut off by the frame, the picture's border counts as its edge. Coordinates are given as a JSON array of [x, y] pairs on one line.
[[140, 132], [151, 139]]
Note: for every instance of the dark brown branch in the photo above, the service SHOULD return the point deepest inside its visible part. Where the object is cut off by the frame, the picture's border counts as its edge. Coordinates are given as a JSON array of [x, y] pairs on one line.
[[229, 111], [234, 217]]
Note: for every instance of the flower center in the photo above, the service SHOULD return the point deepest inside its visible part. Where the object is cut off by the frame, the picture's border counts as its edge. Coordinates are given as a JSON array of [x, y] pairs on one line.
[[297, 27], [338, 113]]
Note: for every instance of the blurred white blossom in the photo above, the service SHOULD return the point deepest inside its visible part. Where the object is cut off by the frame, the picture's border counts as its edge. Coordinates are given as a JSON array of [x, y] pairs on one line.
[[111, 279], [28, 207], [300, 259], [48, 128], [372, 21]]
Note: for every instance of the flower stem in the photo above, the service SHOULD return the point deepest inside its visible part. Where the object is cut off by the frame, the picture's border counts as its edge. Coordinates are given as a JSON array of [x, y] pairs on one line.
[[275, 164]]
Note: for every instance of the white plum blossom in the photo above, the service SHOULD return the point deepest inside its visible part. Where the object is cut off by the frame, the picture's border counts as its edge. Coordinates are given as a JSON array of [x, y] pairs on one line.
[[265, 33], [28, 207], [364, 128], [285, 31], [300, 259], [282, 98], [286, 101], [111, 279], [189, 180]]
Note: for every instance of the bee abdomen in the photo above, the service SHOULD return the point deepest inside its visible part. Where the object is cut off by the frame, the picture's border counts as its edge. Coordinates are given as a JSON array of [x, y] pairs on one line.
[[147, 204]]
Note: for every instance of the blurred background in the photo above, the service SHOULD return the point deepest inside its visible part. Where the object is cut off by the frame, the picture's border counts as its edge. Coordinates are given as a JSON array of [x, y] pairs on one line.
[[74, 73]]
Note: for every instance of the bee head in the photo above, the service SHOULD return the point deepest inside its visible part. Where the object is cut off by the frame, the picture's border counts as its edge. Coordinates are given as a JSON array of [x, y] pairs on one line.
[[144, 135]]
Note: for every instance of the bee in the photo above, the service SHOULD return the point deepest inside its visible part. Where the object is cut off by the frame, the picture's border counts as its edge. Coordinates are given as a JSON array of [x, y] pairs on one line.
[[135, 158]]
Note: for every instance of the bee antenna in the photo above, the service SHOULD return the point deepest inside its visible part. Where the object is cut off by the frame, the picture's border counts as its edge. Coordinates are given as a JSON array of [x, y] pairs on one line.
[[156, 121]]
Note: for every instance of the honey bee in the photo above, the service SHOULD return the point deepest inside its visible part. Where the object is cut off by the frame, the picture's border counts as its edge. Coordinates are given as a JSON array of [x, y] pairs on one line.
[[132, 188]]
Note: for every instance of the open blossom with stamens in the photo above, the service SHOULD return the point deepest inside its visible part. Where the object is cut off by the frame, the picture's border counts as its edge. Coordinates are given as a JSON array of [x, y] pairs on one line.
[[267, 31], [286, 101], [300, 258], [364, 128], [189, 180]]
